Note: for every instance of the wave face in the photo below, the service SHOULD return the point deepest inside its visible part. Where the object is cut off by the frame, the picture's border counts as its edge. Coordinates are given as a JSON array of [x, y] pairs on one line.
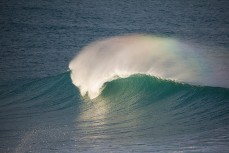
[[139, 113], [160, 108]]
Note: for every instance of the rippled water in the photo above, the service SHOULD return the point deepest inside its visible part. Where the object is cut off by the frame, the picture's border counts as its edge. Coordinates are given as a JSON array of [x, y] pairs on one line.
[[42, 111]]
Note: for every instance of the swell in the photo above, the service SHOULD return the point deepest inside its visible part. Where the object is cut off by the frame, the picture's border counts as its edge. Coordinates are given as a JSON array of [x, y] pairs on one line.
[[136, 109], [137, 92]]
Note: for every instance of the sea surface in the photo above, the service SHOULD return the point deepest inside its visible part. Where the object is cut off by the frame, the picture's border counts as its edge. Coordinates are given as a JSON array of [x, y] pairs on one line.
[[99, 76]]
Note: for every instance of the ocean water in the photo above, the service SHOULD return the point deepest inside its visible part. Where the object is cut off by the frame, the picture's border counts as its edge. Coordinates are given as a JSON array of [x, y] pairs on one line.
[[114, 76]]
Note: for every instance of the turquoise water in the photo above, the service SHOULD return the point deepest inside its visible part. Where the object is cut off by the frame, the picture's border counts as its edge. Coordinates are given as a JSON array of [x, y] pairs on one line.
[[119, 96], [139, 113]]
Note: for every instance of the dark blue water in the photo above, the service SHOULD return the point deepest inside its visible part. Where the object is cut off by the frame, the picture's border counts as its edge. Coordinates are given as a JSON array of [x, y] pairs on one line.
[[42, 111], [39, 38]]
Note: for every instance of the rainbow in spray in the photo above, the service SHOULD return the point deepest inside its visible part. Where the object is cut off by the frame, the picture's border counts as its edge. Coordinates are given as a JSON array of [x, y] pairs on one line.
[[122, 56]]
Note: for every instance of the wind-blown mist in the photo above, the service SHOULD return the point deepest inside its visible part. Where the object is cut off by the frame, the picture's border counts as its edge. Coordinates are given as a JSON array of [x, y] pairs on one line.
[[122, 56]]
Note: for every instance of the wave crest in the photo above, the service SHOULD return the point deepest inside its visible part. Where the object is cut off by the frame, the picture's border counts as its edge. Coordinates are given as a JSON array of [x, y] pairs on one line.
[[122, 56]]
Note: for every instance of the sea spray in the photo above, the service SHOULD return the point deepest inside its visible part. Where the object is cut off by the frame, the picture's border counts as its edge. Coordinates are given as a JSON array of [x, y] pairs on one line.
[[122, 56]]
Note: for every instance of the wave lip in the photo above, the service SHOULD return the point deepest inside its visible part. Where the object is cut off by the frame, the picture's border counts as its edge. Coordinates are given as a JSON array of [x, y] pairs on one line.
[[123, 56]]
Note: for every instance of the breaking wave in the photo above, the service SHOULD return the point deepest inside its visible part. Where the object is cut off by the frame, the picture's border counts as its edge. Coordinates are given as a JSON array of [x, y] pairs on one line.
[[123, 56]]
